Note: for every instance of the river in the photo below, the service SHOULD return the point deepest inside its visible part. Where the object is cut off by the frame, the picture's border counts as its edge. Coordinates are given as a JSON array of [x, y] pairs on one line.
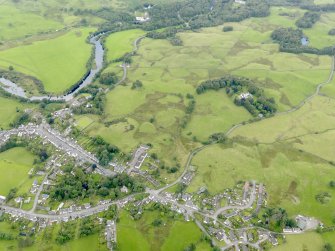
[[16, 90]]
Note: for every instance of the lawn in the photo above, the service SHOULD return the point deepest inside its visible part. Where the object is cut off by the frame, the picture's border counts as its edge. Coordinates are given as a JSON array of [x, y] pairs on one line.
[[58, 62], [120, 43], [15, 165]]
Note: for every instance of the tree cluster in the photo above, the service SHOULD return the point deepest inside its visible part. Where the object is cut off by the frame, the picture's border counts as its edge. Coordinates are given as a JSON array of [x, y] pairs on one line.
[[78, 185], [88, 227], [108, 78], [96, 103], [66, 233], [256, 104], [289, 40], [276, 219], [308, 20], [331, 32], [104, 151]]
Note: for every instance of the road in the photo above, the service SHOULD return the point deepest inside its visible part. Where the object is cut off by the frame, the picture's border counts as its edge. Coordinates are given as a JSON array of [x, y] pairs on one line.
[[62, 143], [59, 217], [242, 207]]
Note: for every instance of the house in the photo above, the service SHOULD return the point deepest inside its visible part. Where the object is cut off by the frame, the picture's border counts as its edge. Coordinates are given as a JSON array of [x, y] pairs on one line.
[[220, 235], [124, 189], [240, 2], [244, 96], [2, 199], [87, 205], [18, 200], [45, 197], [186, 197]]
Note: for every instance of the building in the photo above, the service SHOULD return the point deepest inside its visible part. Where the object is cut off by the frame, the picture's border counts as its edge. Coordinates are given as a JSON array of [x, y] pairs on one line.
[[2, 199], [244, 96], [240, 2]]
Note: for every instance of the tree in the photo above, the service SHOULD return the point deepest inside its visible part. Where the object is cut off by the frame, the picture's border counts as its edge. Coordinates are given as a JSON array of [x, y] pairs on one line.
[[190, 247], [328, 247], [157, 222], [137, 84], [227, 28], [11, 68]]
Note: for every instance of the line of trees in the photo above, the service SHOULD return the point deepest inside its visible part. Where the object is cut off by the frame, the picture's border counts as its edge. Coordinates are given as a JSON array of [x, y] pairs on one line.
[[308, 20]]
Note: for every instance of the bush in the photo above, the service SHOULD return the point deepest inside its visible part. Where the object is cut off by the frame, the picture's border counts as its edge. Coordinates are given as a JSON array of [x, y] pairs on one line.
[[331, 32], [227, 28]]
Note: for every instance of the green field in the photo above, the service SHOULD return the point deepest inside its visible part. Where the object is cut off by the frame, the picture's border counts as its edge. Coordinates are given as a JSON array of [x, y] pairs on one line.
[[59, 62], [121, 43], [15, 165], [304, 242], [8, 111], [15, 23], [171, 236], [285, 152], [170, 72]]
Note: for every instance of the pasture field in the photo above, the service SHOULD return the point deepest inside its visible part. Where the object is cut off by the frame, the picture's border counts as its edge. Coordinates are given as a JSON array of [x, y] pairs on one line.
[[324, 1], [141, 235], [120, 43], [318, 34], [170, 72], [315, 117], [285, 152], [306, 242], [59, 62], [15, 170], [16, 23]]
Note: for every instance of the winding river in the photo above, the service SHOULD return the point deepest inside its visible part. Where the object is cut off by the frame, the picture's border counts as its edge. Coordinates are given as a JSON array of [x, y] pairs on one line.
[[16, 90]]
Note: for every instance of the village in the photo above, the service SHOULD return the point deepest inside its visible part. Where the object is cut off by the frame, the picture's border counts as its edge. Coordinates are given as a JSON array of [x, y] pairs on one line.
[[228, 218]]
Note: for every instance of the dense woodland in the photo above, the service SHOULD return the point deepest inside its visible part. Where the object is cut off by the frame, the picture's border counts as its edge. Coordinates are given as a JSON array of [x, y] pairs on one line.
[[289, 40], [75, 184]]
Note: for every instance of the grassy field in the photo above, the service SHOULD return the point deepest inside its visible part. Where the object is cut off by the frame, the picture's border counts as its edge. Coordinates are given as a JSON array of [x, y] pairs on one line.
[[288, 174], [304, 242], [8, 108], [121, 43], [172, 235], [14, 170], [15, 23], [285, 152], [315, 117], [154, 112], [59, 62]]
